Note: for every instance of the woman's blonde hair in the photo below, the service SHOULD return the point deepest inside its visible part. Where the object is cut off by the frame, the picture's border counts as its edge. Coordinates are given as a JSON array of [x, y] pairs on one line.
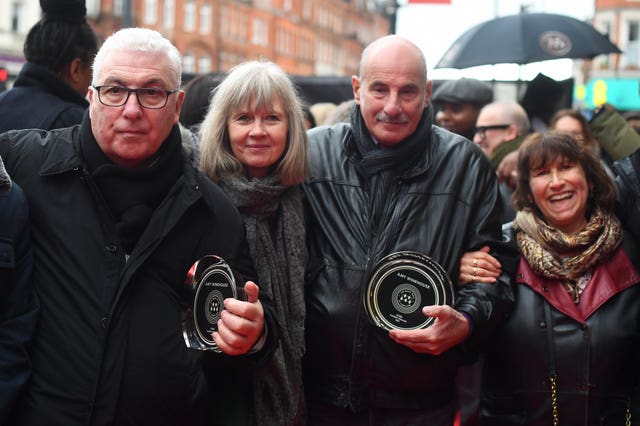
[[255, 83]]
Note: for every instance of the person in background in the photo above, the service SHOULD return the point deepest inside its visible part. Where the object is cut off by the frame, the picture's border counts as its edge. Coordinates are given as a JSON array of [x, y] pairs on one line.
[[390, 181], [321, 111], [50, 90], [573, 122], [614, 134], [18, 301], [575, 322], [458, 103], [500, 129], [118, 216], [309, 119], [341, 113], [543, 96], [197, 98], [254, 145]]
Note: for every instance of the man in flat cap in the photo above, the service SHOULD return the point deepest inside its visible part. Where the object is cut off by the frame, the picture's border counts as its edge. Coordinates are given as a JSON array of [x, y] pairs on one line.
[[459, 102]]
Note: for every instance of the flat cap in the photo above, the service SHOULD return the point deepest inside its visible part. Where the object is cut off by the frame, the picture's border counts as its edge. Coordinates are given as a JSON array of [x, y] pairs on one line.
[[464, 90]]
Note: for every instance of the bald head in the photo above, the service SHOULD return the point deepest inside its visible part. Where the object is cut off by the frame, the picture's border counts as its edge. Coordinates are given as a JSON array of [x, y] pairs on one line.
[[507, 112], [392, 90], [500, 122], [381, 48]]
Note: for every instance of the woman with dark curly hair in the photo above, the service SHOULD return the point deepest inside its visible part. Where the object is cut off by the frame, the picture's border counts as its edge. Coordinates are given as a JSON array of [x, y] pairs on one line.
[[50, 89], [568, 353]]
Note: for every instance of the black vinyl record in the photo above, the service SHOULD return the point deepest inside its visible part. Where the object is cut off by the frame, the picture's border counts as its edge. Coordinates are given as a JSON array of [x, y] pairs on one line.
[[209, 281], [401, 284]]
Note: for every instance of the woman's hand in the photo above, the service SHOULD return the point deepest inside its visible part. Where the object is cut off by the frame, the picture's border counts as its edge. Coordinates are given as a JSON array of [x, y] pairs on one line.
[[479, 267]]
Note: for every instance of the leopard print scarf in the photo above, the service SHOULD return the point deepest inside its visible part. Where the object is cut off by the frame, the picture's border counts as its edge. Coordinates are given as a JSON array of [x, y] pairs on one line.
[[567, 257]]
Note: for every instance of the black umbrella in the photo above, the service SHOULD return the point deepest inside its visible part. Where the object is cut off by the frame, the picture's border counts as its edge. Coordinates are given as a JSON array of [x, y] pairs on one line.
[[526, 38]]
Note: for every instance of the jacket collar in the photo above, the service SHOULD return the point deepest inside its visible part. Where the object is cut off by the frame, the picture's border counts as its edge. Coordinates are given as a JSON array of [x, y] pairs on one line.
[[35, 75], [64, 154], [608, 279]]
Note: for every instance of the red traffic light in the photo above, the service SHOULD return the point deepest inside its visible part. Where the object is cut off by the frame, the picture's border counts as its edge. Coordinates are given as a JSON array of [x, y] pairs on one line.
[[4, 75]]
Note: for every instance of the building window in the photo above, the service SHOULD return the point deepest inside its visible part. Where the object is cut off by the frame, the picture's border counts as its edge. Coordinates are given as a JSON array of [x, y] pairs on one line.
[[150, 12], [306, 9], [260, 32], [188, 63], [632, 52], [93, 7], [190, 16], [118, 7], [168, 13], [16, 12], [205, 19], [204, 64]]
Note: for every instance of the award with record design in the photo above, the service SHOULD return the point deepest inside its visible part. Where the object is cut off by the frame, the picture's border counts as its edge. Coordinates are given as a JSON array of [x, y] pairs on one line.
[[401, 284], [209, 281]]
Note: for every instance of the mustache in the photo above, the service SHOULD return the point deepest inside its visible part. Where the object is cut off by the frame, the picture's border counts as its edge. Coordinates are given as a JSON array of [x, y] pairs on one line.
[[384, 117]]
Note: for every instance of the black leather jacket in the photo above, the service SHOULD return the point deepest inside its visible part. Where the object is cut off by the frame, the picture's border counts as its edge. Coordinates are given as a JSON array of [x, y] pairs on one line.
[[446, 203], [595, 356], [627, 173]]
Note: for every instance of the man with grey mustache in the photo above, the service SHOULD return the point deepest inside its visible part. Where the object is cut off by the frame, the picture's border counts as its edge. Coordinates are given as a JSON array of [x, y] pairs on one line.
[[391, 183]]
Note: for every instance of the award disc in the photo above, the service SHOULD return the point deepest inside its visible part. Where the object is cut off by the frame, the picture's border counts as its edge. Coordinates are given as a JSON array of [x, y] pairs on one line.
[[210, 281], [401, 284]]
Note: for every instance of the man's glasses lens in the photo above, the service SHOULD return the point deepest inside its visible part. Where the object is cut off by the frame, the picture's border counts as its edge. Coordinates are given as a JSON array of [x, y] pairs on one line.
[[152, 98], [482, 130]]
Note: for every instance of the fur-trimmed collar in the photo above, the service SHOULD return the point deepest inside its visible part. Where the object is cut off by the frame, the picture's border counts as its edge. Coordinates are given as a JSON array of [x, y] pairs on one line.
[[5, 182]]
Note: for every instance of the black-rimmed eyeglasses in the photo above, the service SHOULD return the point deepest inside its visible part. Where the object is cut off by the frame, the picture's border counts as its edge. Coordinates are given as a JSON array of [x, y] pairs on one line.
[[482, 130], [148, 97]]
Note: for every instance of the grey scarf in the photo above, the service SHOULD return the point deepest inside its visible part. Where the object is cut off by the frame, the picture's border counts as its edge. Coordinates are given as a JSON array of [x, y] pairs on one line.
[[273, 218], [382, 165]]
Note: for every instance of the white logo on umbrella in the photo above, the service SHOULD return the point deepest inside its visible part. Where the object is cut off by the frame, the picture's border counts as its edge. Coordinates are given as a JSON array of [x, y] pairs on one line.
[[555, 43]]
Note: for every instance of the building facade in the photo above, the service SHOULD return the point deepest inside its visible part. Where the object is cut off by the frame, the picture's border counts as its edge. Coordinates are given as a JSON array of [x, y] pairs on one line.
[[615, 78], [305, 37]]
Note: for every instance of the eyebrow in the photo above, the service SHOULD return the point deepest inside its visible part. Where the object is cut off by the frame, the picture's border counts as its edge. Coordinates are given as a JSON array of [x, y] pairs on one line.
[[113, 80]]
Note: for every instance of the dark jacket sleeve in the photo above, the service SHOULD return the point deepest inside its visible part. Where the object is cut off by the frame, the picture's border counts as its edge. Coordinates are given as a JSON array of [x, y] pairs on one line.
[[628, 183], [18, 301], [487, 305]]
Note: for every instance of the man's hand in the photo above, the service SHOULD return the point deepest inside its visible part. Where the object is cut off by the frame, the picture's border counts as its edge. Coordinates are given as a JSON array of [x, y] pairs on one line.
[[449, 329], [241, 323]]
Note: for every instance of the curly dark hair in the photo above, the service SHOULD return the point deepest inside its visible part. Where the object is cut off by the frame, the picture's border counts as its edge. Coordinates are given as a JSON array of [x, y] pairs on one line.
[[62, 35], [541, 149]]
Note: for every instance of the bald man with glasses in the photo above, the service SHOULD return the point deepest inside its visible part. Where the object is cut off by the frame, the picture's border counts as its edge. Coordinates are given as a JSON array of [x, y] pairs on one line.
[[500, 128]]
